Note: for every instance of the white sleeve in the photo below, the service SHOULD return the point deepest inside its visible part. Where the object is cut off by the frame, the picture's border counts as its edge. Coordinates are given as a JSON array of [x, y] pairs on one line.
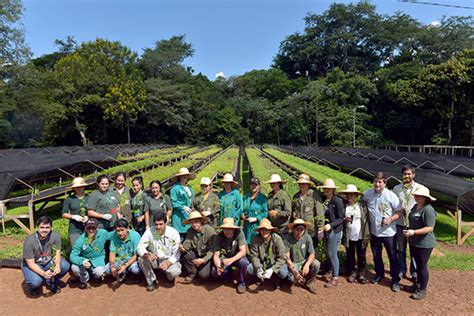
[[175, 253], [145, 241]]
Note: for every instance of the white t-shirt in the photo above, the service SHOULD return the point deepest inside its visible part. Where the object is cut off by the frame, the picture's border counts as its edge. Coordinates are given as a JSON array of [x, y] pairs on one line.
[[354, 229]]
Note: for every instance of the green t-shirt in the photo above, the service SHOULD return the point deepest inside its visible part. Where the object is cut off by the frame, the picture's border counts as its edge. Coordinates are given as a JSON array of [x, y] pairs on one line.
[[124, 249], [155, 206], [299, 249], [229, 247], [425, 216], [104, 203], [75, 206]]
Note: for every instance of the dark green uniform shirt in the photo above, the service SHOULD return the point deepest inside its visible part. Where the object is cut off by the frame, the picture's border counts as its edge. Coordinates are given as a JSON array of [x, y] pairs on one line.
[[268, 255], [75, 206], [309, 207], [425, 216], [125, 202], [202, 243], [104, 203], [280, 202], [211, 204], [155, 206], [229, 247], [299, 250]]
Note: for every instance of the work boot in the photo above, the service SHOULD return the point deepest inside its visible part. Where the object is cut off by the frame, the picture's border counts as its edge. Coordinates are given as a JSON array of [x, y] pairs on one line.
[[121, 277], [188, 280], [311, 285], [328, 276], [34, 292], [395, 287], [276, 283], [412, 288], [419, 295], [352, 277], [83, 286], [334, 282], [362, 279]]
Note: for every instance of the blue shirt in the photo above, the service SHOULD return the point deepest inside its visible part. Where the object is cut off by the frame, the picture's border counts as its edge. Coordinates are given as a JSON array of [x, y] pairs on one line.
[[382, 205]]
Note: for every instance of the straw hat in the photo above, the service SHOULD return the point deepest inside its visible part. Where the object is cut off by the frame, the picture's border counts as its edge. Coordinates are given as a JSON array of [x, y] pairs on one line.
[[304, 178], [185, 172], [229, 223], [229, 178], [350, 188], [193, 215], [266, 224], [78, 182], [205, 181], [423, 191], [298, 221], [327, 184], [275, 178]]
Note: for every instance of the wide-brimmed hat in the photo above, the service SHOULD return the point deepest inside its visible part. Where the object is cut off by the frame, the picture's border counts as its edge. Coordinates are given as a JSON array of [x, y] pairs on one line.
[[92, 222], [275, 178], [193, 215], [185, 172], [421, 190], [78, 183], [298, 221], [351, 188], [205, 181], [304, 179], [266, 224], [327, 184], [229, 178], [228, 222]]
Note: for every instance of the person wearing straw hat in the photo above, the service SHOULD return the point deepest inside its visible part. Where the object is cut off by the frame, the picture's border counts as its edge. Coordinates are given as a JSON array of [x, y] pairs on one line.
[[181, 197], [420, 235], [75, 209], [356, 233], [156, 202], [301, 264], [384, 209], [255, 209], [230, 249], [332, 230], [267, 253], [230, 200], [279, 204], [104, 204], [198, 247], [307, 205], [207, 203]]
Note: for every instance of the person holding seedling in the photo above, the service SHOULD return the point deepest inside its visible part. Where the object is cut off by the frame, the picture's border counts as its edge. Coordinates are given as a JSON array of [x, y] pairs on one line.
[[123, 248], [42, 262], [356, 233], [404, 192], [198, 247], [267, 254], [207, 203], [230, 249], [158, 249], [421, 237], [104, 204], [301, 263], [279, 204], [137, 205], [255, 209], [230, 200], [124, 194], [88, 254], [182, 196], [156, 202], [384, 209], [75, 209]]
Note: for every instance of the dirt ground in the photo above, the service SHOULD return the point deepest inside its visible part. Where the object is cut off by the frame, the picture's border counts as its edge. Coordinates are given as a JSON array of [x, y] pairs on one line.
[[449, 292]]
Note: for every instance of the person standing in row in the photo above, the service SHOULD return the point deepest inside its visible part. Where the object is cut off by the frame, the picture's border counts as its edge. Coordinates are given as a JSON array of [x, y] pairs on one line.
[[356, 233], [182, 196], [230, 200], [207, 203], [421, 237], [104, 204], [124, 194], [279, 204], [156, 202], [255, 209], [75, 209], [137, 205]]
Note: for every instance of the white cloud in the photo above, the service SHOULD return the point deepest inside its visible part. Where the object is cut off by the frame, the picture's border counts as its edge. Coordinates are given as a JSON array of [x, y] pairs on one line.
[[220, 75], [435, 24]]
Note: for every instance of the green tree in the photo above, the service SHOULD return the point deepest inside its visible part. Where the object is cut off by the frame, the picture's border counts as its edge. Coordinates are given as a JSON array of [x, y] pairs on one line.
[[12, 38]]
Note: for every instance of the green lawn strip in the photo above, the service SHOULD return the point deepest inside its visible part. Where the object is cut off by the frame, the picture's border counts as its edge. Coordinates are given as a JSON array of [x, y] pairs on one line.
[[319, 172], [225, 163], [445, 228], [263, 168], [204, 154], [153, 152]]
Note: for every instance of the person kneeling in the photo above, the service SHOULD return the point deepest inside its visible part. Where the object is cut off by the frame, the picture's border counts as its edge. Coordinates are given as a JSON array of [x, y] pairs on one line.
[[198, 247], [159, 249], [123, 248], [267, 253], [301, 260], [88, 254], [38, 265], [230, 249]]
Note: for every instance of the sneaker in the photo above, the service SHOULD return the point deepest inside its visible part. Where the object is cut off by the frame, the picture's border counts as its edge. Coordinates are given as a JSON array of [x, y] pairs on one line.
[[55, 289], [277, 283], [172, 281], [188, 280], [351, 278], [411, 288], [418, 295], [121, 278], [376, 280], [34, 292], [395, 287], [402, 275], [150, 287], [362, 279], [83, 286], [334, 282], [241, 288]]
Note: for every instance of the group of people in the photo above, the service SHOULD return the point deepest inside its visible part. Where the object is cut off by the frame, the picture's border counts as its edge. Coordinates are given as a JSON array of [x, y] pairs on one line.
[[120, 230]]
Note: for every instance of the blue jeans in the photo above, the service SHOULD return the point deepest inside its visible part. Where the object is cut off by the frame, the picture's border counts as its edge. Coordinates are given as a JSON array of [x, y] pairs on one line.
[[331, 243], [134, 268], [241, 265], [35, 281], [83, 273], [402, 243], [390, 247]]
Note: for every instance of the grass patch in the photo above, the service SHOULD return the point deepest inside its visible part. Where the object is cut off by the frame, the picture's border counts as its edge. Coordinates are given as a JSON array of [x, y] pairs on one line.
[[445, 228], [452, 261]]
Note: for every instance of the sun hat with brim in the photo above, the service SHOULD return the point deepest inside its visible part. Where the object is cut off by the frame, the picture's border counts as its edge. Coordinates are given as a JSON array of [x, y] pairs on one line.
[[327, 184], [265, 224], [78, 183], [185, 172], [275, 178], [205, 181], [350, 188], [304, 179], [229, 178], [92, 222], [423, 191], [192, 216], [229, 223], [297, 222]]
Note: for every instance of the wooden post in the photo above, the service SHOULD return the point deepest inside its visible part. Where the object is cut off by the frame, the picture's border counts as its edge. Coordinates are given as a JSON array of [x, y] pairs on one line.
[[459, 226], [2, 212], [31, 211]]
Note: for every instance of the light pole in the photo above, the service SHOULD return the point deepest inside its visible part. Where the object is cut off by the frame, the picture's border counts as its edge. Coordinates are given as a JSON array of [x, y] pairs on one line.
[[354, 124]]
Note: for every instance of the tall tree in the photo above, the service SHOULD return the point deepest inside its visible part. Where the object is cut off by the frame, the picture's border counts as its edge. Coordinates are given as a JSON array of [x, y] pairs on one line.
[[12, 38]]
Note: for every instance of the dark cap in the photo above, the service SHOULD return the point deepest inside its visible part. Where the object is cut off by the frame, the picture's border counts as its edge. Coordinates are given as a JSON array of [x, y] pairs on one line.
[[92, 222], [255, 180]]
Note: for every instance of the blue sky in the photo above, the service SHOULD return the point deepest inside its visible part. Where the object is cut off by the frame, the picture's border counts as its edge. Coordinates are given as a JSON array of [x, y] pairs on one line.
[[229, 36]]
